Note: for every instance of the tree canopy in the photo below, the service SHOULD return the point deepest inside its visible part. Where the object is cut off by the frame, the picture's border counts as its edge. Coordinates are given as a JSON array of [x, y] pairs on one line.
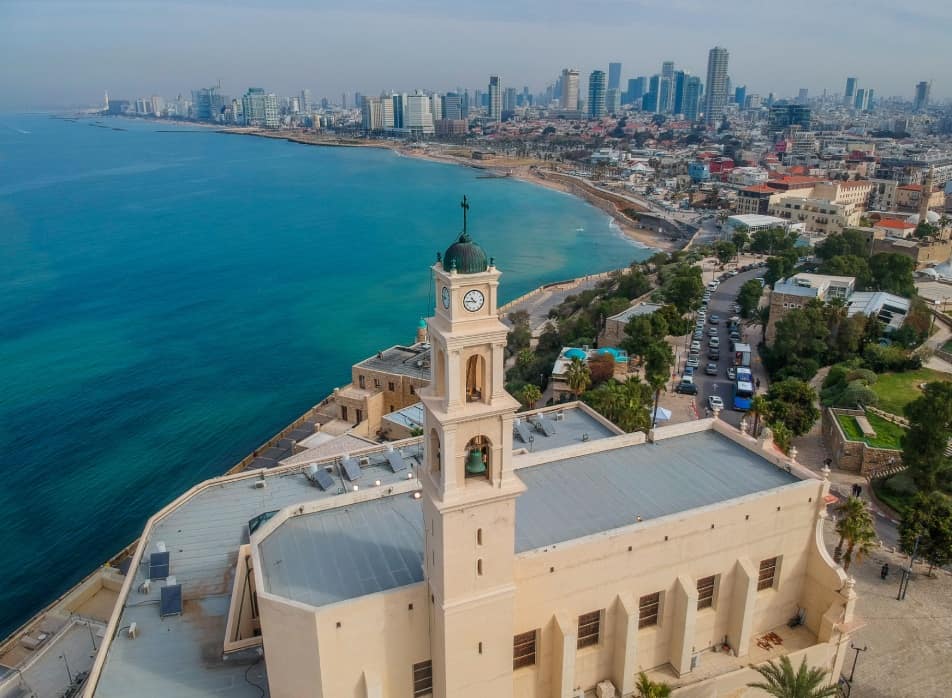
[[924, 444], [790, 402], [930, 520]]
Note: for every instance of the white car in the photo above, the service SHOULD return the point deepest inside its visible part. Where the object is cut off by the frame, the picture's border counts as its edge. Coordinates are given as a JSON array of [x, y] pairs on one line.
[[715, 403], [693, 361]]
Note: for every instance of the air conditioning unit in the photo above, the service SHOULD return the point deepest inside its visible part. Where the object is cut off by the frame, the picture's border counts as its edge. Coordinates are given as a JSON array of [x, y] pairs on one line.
[[260, 484], [146, 586], [365, 461], [559, 416], [133, 631], [605, 689]]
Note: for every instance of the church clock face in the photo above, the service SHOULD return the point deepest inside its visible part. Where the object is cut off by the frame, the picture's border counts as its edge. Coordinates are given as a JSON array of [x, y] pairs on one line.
[[473, 300], [445, 293]]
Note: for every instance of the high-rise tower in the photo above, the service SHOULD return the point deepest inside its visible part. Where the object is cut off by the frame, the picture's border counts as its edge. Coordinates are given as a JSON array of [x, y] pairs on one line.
[[921, 100], [849, 94], [569, 99], [469, 486], [495, 98], [596, 94], [716, 87], [614, 76]]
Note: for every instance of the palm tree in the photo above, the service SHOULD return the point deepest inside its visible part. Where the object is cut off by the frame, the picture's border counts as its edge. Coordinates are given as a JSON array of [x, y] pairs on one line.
[[856, 529], [651, 689], [578, 376], [529, 395], [758, 408], [524, 358], [780, 680], [850, 509]]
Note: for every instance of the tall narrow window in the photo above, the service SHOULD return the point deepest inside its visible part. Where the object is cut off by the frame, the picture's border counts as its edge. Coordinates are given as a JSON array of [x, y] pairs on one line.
[[423, 679], [766, 574], [479, 536], [475, 378], [479, 567], [589, 625], [434, 452], [524, 650], [705, 592], [362, 382], [648, 606]]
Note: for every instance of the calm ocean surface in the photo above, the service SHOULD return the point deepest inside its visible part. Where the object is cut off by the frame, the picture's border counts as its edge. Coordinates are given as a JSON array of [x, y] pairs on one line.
[[170, 300]]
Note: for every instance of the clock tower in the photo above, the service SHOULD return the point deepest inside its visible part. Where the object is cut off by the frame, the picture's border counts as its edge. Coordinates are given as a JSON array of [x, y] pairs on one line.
[[468, 483]]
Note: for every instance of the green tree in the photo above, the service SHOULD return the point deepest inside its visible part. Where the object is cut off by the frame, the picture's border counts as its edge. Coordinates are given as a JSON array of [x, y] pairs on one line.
[[852, 509], [780, 680], [749, 297], [924, 229], [802, 334], [740, 238], [524, 358], [856, 530], [924, 444], [849, 265], [772, 241], [658, 362], [578, 377], [651, 689], [758, 410], [929, 520], [893, 273], [847, 243], [530, 395], [725, 251], [780, 266], [626, 404], [685, 288], [642, 331], [791, 402]]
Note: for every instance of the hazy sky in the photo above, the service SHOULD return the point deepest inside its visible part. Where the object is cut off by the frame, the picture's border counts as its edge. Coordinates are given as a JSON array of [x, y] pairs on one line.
[[66, 52]]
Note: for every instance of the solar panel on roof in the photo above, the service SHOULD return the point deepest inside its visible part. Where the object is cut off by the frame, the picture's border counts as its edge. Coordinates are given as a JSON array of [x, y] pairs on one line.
[[323, 479], [547, 425], [396, 461], [523, 431], [158, 565], [171, 601], [351, 469]]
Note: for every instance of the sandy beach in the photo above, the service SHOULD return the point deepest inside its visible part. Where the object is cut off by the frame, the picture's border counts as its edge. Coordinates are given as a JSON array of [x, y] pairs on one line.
[[523, 169]]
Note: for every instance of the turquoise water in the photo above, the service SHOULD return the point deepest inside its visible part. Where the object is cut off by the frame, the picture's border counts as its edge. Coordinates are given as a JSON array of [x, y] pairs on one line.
[[170, 300]]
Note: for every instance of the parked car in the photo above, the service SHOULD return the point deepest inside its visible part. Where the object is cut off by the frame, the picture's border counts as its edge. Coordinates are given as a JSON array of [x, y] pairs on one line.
[[715, 318], [711, 369], [714, 343], [693, 361], [696, 345], [688, 370], [686, 388], [715, 402], [712, 332], [714, 354], [731, 372]]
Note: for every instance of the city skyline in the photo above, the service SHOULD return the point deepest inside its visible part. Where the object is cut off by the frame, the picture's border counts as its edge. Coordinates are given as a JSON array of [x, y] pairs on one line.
[[70, 48]]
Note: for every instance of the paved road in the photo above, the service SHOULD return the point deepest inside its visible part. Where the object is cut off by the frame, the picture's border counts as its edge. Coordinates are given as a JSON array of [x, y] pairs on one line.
[[720, 305]]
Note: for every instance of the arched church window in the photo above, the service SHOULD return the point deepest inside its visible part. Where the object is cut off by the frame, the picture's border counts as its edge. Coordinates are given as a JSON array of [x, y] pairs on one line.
[[434, 449], [478, 457], [475, 378]]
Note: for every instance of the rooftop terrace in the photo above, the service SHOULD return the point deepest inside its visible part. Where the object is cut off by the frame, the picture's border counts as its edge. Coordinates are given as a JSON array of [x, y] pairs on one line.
[[411, 361]]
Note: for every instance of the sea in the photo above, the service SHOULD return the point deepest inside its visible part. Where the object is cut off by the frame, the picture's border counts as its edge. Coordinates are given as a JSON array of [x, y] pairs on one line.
[[171, 296]]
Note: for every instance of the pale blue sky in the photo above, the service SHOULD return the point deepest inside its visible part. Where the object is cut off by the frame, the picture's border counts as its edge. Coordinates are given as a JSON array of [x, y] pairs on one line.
[[66, 52]]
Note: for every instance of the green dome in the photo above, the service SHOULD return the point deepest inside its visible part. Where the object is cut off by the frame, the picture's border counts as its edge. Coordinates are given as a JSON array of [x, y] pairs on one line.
[[465, 256], [422, 324]]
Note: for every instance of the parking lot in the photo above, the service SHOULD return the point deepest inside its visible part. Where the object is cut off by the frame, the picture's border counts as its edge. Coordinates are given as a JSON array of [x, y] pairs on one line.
[[720, 385]]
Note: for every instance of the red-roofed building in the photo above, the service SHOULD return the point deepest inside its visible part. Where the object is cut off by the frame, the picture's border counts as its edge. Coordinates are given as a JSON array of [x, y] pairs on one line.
[[909, 196]]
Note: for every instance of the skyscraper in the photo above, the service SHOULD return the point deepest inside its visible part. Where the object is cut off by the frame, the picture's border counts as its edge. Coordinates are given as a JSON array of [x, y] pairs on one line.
[[436, 107], [509, 99], [666, 88], [849, 94], [636, 90], [613, 101], [596, 94], [860, 100], [716, 98], [740, 95], [691, 101], [452, 106], [921, 100], [680, 82], [259, 108], [305, 102], [614, 76], [208, 103], [371, 114], [569, 99], [495, 98]]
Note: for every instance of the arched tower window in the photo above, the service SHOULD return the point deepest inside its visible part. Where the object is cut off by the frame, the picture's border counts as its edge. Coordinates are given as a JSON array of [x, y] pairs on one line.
[[434, 452], [478, 457], [475, 378]]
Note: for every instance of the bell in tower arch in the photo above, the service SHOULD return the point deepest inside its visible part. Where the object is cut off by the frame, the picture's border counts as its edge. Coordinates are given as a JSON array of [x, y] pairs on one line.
[[474, 462]]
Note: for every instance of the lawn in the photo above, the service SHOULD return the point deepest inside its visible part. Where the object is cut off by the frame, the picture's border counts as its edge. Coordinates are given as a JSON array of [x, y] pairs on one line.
[[896, 390], [888, 435], [896, 492]]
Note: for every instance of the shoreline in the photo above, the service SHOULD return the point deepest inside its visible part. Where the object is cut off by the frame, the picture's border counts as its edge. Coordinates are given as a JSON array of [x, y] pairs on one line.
[[501, 168]]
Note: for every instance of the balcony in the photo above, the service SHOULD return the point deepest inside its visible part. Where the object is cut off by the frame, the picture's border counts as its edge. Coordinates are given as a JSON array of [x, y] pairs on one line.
[[764, 646]]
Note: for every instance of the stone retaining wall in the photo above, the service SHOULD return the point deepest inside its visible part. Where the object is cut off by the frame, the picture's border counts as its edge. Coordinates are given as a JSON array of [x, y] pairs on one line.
[[855, 456]]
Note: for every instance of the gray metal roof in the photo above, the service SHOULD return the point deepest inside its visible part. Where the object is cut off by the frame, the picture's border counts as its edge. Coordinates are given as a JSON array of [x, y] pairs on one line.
[[181, 655], [373, 546], [570, 429], [339, 554], [401, 361], [577, 497]]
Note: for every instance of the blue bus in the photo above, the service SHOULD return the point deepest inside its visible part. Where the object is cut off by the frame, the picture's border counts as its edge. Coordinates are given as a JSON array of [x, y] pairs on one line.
[[743, 389]]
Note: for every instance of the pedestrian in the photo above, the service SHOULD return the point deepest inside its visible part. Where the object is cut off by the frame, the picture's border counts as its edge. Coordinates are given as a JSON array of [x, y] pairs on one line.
[[884, 571], [758, 384]]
